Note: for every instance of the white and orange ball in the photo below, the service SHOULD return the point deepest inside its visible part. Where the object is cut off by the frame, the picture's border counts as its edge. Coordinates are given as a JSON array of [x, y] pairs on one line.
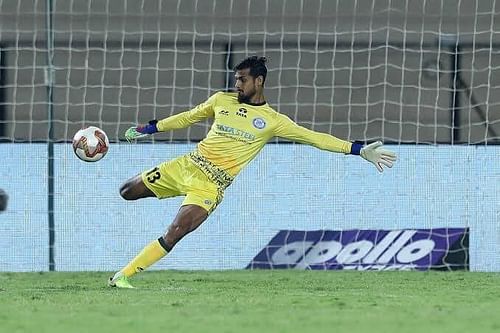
[[90, 144]]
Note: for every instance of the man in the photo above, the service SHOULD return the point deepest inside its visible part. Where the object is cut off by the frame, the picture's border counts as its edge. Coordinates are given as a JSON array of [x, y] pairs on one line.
[[243, 123], [4, 198]]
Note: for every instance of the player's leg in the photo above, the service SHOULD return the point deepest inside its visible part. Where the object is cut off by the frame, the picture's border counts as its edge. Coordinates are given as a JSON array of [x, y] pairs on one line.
[[134, 188], [187, 219], [177, 177], [158, 185]]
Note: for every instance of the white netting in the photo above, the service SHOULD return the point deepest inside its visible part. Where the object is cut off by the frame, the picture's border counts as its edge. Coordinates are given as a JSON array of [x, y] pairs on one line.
[[403, 71]]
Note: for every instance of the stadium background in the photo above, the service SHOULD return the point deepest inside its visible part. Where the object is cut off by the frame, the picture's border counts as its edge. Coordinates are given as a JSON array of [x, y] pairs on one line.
[[421, 75]]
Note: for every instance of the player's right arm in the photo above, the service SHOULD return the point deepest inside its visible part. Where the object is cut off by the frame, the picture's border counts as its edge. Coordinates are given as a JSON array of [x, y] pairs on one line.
[[181, 120]]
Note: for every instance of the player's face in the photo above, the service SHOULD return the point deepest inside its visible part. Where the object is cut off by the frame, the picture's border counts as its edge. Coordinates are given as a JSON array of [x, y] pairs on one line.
[[246, 85]]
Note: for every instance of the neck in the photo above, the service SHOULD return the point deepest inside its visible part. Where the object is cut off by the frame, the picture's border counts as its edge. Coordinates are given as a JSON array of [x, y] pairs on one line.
[[258, 98]]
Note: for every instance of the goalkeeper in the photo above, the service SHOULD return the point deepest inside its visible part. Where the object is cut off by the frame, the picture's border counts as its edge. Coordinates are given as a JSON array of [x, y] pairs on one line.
[[243, 123]]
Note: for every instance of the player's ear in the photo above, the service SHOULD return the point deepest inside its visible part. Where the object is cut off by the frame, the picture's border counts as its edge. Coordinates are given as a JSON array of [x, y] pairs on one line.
[[260, 80]]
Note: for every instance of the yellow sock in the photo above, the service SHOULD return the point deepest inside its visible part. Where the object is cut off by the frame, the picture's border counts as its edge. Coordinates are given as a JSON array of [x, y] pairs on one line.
[[150, 254]]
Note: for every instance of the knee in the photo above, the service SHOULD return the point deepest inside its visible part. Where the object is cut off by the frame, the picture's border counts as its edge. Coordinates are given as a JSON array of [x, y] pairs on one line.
[[126, 192]]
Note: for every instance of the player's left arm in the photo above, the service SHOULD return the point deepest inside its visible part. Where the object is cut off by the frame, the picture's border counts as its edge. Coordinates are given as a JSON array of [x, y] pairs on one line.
[[373, 153]]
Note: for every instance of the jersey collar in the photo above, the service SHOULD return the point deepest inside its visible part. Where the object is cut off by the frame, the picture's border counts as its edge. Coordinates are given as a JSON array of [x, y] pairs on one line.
[[256, 104]]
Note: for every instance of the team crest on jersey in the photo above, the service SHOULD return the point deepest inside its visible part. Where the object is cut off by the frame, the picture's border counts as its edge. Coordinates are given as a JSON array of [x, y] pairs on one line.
[[259, 123]]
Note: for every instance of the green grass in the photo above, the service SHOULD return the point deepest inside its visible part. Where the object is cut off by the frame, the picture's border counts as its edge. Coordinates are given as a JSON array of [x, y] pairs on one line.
[[252, 301]]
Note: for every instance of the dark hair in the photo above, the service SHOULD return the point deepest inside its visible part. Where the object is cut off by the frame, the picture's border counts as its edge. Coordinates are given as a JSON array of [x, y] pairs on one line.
[[256, 64]]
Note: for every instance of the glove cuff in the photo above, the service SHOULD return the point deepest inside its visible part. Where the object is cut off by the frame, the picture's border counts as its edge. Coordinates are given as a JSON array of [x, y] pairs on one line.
[[356, 148], [150, 128]]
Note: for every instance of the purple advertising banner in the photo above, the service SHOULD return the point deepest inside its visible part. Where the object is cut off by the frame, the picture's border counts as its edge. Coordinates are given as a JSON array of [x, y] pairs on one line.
[[410, 249]]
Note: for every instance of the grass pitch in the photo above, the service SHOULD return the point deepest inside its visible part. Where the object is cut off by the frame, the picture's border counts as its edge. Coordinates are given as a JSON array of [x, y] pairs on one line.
[[252, 301]]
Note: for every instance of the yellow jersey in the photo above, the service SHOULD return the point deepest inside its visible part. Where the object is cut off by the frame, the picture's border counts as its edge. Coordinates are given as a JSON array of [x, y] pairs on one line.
[[240, 131]]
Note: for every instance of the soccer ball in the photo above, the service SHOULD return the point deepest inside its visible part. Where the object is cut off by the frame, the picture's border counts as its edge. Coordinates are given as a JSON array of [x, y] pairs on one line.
[[90, 144]]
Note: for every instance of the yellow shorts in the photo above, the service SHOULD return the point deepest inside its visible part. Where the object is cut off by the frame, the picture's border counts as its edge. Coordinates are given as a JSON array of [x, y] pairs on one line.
[[181, 177]]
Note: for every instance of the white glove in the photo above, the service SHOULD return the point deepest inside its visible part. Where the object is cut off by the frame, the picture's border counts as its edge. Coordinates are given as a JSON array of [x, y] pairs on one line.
[[378, 156]]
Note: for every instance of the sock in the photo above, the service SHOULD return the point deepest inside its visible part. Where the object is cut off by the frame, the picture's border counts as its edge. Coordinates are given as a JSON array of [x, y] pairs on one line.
[[150, 254]]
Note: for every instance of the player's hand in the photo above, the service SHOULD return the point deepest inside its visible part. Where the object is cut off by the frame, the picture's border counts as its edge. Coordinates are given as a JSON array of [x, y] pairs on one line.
[[378, 156], [137, 132]]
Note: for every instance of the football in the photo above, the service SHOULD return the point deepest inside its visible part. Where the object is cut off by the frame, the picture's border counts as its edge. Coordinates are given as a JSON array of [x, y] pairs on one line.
[[90, 144]]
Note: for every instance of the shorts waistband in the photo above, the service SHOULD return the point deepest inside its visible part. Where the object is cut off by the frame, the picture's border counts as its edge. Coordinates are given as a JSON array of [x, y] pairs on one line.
[[219, 176]]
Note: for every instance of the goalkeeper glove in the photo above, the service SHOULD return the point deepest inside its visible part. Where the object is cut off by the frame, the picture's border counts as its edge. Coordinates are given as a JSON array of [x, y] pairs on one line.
[[375, 154], [136, 132]]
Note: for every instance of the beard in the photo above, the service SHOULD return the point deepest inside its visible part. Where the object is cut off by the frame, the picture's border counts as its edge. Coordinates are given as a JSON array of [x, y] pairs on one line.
[[242, 98]]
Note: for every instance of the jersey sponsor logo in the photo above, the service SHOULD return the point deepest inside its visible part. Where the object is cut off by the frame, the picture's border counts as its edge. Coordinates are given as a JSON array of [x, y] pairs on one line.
[[224, 112], [219, 176], [242, 112], [228, 130], [259, 123], [420, 249]]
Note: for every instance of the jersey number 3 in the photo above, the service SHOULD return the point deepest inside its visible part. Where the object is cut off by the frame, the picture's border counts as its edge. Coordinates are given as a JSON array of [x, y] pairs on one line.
[[153, 175]]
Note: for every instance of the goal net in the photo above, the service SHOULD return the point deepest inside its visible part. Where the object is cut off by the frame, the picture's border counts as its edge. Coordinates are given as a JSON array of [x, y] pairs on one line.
[[422, 76]]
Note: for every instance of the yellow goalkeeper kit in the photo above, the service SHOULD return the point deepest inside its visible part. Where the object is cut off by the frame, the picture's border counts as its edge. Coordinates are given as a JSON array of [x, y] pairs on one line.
[[239, 131]]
